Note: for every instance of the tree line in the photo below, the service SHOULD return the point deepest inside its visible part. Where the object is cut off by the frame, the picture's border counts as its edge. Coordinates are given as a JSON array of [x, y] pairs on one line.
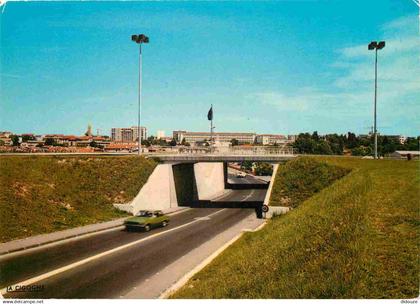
[[361, 145]]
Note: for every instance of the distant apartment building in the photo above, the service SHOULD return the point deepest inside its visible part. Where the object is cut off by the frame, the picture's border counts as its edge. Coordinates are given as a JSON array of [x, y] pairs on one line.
[[222, 137], [5, 137], [271, 139], [291, 138], [178, 135], [399, 138], [128, 134], [5, 134], [160, 134]]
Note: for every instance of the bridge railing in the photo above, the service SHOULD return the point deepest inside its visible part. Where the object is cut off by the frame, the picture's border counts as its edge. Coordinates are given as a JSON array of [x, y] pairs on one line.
[[238, 150]]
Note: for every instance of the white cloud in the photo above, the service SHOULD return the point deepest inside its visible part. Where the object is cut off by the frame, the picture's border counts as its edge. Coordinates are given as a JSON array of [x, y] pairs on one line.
[[294, 103], [404, 23], [351, 94]]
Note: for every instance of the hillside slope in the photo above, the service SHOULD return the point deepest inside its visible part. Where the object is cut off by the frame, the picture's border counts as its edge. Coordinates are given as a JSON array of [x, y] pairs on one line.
[[358, 238], [41, 194]]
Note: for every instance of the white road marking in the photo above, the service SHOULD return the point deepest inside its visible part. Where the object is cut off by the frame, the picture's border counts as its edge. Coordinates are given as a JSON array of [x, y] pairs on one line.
[[248, 196], [97, 256], [227, 193], [59, 242], [72, 239], [204, 218]]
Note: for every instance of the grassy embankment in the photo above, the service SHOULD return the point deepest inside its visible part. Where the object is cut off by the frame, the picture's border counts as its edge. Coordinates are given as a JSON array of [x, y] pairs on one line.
[[41, 194], [357, 238]]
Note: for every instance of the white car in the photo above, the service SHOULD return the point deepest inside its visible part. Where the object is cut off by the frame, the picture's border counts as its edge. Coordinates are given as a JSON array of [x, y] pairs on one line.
[[241, 174]]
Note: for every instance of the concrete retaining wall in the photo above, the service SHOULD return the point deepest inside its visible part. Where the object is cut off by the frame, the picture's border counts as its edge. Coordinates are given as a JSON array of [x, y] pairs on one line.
[[273, 210], [157, 194], [209, 178], [160, 193]]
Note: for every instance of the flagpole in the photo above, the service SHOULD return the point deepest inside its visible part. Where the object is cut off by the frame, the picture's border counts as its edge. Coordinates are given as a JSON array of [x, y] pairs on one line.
[[211, 128]]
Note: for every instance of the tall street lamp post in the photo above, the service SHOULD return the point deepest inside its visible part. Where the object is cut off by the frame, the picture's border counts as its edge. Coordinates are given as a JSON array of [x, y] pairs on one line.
[[374, 45], [139, 39]]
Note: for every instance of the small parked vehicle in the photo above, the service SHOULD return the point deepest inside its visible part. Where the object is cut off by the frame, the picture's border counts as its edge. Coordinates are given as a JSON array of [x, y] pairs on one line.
[[146, 220], [241, 174]]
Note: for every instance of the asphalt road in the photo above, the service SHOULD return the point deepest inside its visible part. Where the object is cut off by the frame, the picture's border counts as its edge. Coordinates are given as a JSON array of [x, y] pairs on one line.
[[248, 179], [114, 274], [242, 196]]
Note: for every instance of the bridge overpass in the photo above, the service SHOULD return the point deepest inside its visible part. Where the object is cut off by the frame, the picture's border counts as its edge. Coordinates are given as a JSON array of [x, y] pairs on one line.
[[212, 157], [195, 176], [226, 154]]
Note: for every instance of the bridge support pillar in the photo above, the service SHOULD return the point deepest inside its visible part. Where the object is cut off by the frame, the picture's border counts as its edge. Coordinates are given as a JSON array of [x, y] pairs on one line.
[[157, 194], [225, 174], [210, 180]]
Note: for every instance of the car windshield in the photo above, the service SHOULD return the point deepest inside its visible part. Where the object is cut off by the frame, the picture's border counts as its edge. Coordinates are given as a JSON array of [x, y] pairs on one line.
[[144, 214]]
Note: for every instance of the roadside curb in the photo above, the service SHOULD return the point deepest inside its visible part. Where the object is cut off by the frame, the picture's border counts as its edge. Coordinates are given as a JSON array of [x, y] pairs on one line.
[[64, 235], [183, 280]]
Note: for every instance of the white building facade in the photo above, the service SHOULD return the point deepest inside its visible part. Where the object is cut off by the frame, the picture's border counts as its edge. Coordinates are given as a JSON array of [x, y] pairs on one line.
[[271, 139], [128, 134]]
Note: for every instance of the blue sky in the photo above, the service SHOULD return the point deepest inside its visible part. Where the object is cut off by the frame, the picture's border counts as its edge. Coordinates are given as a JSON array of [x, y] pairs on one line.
[[269, 67]]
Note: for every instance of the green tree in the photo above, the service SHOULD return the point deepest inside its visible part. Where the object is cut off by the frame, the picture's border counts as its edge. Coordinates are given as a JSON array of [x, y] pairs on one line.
[[361, 151], [173, 142], [305, 144], [263, 169], [50, 141], [323, 148], [412, 144], [27, 137], [387, 145], [152, 140], [234, 142], [352, 141], [15, 140], [145, 142], [336, 143], [247, 165], [315, 136]]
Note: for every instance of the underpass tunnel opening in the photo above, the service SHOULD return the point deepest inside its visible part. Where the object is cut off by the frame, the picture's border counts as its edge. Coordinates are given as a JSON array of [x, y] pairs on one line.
[[221, 185], [248, 175], [185, 184]]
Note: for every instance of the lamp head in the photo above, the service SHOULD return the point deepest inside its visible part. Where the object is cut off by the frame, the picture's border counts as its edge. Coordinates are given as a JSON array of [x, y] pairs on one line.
[[372, 45], [140, 38], [381, 45]]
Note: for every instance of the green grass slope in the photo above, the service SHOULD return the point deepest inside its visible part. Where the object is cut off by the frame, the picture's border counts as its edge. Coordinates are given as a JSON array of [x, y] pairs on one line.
[[301, 178], [41, 194], [358, 238]]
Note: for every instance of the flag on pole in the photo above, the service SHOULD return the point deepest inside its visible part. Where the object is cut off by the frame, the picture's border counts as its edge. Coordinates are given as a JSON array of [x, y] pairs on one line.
[[210, 114]]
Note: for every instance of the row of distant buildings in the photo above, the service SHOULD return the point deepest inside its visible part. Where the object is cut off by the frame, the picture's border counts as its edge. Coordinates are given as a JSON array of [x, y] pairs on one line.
[[126, 139], [227, 137], [131, 134], [398, 138]]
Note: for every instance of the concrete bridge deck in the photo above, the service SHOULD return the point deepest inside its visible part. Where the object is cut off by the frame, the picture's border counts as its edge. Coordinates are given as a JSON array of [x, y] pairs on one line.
[[194, 158]]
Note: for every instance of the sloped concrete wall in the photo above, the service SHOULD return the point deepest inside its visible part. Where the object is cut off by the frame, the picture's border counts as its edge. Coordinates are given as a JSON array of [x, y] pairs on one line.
[[210, 180], [157, 194], [273, 210]]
